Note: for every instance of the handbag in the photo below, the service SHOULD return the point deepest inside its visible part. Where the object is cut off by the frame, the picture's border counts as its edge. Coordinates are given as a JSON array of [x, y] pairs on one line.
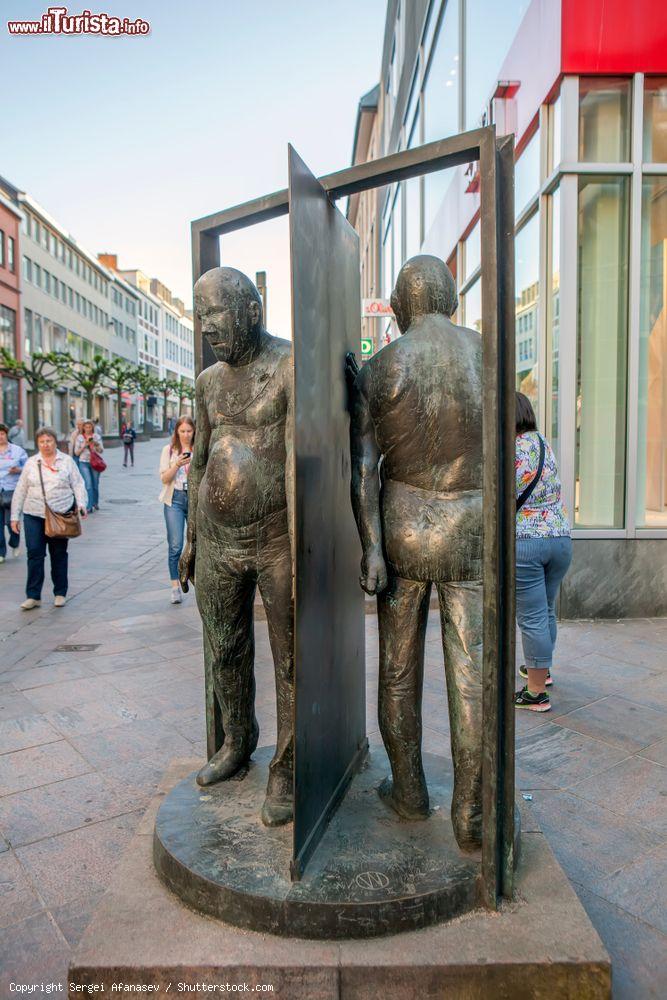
[[67, 525], [96, 461], [521, 499]]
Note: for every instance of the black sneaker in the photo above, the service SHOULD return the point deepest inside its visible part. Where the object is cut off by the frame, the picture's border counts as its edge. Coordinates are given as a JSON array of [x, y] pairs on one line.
[[533, 702], [524, 673]]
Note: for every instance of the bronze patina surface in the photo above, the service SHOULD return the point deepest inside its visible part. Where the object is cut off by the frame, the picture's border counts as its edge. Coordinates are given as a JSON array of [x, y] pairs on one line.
[[416, 441], [238, 535]]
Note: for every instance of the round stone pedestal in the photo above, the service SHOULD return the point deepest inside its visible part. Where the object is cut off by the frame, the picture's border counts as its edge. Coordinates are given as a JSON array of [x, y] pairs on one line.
[[371, 874]]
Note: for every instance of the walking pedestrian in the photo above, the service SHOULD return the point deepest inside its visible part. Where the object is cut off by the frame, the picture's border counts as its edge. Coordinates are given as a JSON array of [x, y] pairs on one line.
[[49, 477], [86, 442], [17, 435], [12, 460], [129, 437], [98, 428], [543, 555], [76, 431], [174, 468]]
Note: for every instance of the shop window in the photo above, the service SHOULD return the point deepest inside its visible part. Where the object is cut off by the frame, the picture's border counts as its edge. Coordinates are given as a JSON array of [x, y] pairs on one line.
[[441, 105], [553, 320], [601, 380], [655, 120], [652, 423], [527, 258], [490, 29], [604, 120], [472, 252], [527, 175], [472, 307]]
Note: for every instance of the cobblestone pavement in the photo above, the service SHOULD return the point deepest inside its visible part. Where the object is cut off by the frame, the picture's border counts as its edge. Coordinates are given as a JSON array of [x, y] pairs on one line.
[[85, 736]]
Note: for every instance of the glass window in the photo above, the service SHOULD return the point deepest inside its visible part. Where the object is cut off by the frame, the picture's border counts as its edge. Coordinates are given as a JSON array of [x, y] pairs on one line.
[[553, 318], [53, 244], [527, 264], [10, 400], [8, 329], [45, 238], [413, 241], [387, 263], [27, 330], [38, 333], [527, 175], [490, 30], [37, 275], [604, 119], [655, 119], [472, 252], [11, 254], [397, 221], [652, 425], [2, 248], [441, 106], [47, 282], [472, 307], [601, 352], [27, 269], [37, 232]]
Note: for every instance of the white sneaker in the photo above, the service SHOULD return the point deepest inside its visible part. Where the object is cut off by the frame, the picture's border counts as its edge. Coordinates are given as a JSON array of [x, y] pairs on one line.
[[59, 601], [176, 595], [15, 553], [30, 603], [2, 559]]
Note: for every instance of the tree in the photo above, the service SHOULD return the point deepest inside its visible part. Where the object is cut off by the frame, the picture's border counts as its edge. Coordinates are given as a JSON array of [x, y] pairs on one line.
[[147, 384], [186, 391], [121, 377], [42, 372], [89, 376], [167, 386]]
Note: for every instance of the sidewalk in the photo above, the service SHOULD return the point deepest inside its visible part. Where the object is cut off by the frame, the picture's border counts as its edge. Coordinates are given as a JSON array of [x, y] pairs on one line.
[[86, 734]]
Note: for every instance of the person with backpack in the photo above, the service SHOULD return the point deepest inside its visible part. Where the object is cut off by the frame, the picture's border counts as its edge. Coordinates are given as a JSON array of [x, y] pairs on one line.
[[129, 436], [543, 555]]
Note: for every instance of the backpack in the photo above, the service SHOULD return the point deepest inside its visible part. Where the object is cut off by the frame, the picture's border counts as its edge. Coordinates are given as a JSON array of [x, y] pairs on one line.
[[128, 437]]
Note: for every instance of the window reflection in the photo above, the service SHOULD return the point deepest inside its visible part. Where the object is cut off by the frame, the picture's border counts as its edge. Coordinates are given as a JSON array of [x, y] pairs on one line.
[[527, 175], [472, 252], [652, 430], [655, 120], [601, 352], [527, 269], [490, 30], [553, 318], [441, 106], [604, 119], [472, 307]]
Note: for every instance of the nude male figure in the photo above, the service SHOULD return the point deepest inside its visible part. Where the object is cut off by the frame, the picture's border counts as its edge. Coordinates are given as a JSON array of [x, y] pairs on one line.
[[238, 535], [417, 407]]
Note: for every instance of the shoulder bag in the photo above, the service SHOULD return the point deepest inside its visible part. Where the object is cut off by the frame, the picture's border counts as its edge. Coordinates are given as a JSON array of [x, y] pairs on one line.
[[521, 499], [67, 525], [96, 460]]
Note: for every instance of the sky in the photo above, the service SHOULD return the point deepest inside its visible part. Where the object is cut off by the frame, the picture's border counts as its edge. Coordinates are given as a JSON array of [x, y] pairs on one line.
[[125, 141]]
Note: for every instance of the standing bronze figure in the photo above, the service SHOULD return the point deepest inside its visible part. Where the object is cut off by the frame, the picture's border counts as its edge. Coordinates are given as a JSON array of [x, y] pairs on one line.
[[416, 442], [238, 536]]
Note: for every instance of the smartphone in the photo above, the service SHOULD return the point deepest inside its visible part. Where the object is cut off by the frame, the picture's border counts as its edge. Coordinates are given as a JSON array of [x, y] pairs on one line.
[[186, 454]]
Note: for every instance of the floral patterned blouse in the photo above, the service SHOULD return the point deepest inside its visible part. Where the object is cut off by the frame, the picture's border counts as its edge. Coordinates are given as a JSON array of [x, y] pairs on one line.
[[543, 514]]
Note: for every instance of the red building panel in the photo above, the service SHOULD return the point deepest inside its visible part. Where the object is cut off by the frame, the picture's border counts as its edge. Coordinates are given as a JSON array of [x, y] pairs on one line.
[[614, 36]]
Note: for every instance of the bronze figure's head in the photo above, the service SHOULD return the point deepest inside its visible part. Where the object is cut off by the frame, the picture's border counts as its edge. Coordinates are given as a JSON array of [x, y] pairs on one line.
[[230, 309], [424, 285]]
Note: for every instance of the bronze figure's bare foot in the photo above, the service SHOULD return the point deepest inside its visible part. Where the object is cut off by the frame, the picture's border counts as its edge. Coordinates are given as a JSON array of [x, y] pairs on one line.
[[412, 811]]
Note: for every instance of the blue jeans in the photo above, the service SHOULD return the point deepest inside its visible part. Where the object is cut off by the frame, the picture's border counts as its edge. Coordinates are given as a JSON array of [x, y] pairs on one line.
[[36, 543], [5, 515], [91, 478], [541, 564], [176, 518]]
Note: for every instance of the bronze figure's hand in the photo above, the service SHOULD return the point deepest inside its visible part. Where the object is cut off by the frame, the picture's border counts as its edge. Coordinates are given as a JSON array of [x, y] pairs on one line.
[[373, 577], [351, 369], [186, 566]]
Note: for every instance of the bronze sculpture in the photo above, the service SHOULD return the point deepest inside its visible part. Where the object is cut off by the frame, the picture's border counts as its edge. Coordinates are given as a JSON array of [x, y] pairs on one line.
[[238, 537], [416, 442]]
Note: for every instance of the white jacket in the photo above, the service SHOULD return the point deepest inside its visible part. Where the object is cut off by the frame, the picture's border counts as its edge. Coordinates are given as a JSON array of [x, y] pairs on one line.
[[61, 487], [167, 459]]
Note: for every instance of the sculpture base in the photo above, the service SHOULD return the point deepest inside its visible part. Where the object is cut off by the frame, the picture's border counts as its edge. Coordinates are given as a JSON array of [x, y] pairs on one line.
[[371, 874], [541, 944]]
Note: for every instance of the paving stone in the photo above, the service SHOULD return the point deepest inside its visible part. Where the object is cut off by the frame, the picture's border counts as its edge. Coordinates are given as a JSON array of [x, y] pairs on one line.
[[13, 704], [652, 693], [657, 753], [67, 693], [553, 757], [26, 817], [18, 899], [115, 710], [130, 741], [39, 765], [33, 953], [73, 917], [590, 841], [636, 788], [606, 672], [619, 722], [638, 951], [24, 732], [640, 887], [63, 867]]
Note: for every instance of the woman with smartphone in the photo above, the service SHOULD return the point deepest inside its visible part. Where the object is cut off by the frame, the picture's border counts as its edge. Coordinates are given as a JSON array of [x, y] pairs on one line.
[[174, 468]]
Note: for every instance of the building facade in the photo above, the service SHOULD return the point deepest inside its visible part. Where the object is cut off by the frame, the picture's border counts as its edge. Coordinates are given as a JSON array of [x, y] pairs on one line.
[[10, 303], [177, 346], [586, 99]]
